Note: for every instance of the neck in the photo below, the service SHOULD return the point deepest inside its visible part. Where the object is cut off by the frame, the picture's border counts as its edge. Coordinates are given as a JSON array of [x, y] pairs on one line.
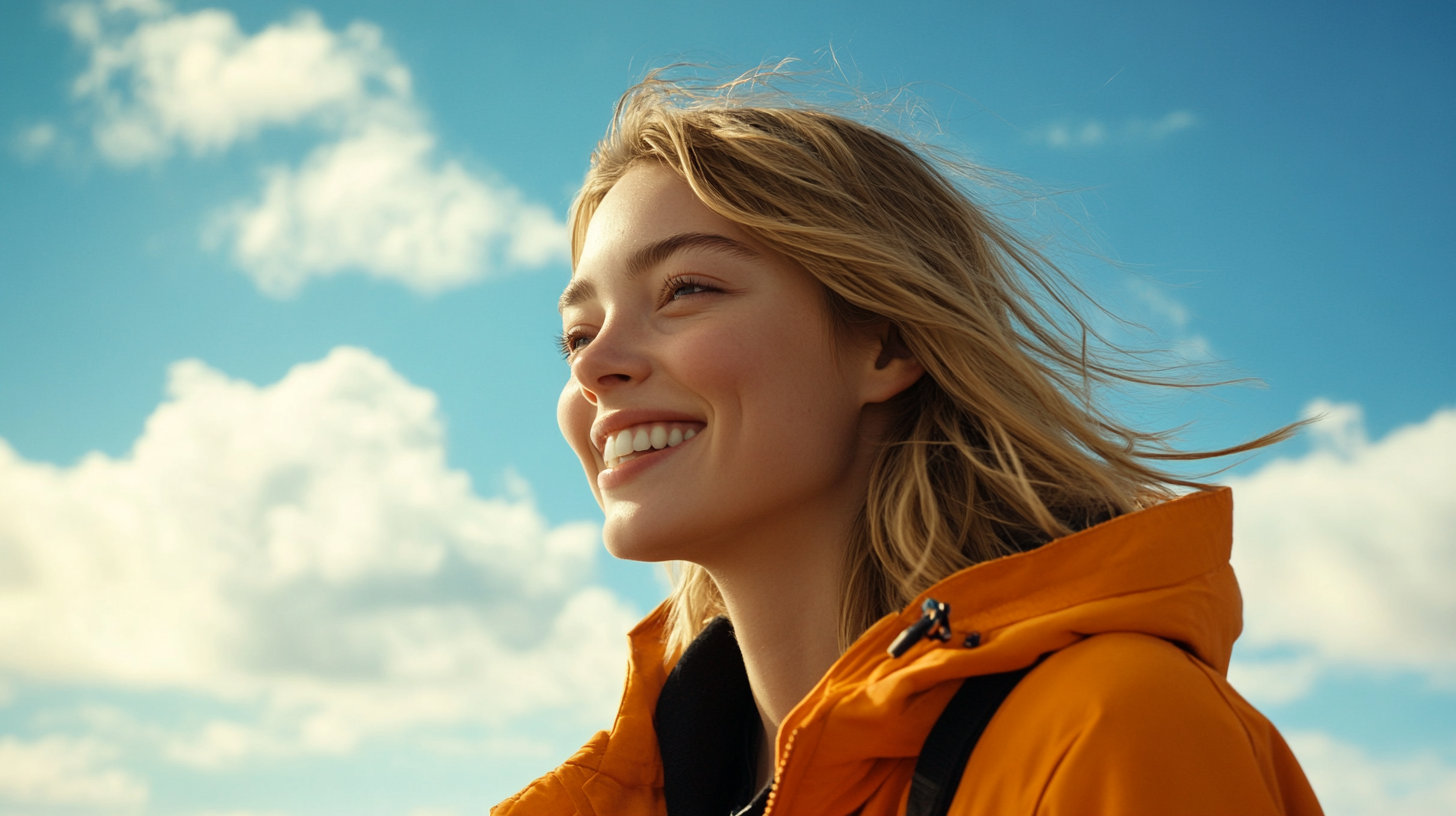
[[784, 604], [781, 585]]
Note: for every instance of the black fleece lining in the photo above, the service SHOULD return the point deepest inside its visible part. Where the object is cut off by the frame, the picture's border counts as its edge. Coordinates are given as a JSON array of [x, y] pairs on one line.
[[708, 728]]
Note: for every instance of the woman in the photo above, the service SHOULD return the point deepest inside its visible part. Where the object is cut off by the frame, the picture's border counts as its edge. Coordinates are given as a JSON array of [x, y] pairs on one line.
[[857, 412]]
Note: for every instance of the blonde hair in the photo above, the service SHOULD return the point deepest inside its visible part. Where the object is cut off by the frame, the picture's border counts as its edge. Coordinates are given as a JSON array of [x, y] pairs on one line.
[[1001, 446]]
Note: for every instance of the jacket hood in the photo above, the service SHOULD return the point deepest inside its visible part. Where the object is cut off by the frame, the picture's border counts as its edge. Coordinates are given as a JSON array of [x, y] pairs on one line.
[[1162, 571]]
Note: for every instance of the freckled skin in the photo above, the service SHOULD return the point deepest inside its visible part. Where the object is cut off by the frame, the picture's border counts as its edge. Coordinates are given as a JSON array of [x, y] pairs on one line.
[[755, 361]]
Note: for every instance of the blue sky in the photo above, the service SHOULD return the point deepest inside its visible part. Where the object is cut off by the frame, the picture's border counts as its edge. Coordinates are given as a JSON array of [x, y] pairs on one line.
[[280, 481]]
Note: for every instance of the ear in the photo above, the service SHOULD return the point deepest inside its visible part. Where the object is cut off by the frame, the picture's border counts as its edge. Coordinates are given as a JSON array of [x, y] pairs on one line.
[[894, 369]]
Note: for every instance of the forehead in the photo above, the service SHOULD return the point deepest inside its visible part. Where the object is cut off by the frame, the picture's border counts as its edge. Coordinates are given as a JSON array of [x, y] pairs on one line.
[[650, 203]]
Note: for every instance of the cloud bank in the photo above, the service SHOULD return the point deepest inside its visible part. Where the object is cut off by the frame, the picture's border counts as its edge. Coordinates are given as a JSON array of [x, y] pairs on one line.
[[304, 550], [62, 771], [1345, 554], [1351, 782], [374, 196]]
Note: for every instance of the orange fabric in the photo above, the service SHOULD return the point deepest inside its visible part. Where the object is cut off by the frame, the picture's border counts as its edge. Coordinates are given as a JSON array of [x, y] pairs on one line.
[[1131, 715]]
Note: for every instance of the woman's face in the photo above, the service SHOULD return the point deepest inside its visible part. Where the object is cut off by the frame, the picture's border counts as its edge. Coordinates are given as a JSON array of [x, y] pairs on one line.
[[709, 362]]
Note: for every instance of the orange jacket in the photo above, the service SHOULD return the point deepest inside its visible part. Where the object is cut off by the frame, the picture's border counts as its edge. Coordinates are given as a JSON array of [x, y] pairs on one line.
[[1130, 715]]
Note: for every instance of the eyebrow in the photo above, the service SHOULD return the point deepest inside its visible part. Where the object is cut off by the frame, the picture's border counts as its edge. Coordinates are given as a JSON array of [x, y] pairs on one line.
[[644, 259]]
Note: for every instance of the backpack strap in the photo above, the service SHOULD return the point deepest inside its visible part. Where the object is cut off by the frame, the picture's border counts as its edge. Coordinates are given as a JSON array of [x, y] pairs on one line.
[[948, 749]]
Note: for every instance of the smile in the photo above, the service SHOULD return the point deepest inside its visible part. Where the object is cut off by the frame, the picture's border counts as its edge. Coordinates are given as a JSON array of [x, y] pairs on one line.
[[639, 440]]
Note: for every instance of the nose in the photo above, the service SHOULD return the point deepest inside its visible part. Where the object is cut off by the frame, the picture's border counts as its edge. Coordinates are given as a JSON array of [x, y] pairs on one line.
[[614, 359]]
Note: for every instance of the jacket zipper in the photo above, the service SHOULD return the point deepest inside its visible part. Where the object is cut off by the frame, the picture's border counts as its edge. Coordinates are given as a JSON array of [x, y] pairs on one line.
[[934, 623], [773, 790]]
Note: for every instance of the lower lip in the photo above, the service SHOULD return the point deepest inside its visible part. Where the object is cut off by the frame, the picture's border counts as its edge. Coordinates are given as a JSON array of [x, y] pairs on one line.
[[622, 474]]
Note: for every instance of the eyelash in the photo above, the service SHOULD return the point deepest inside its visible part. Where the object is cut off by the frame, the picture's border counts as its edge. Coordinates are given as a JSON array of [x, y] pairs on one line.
[[676, 282], [565, 342]]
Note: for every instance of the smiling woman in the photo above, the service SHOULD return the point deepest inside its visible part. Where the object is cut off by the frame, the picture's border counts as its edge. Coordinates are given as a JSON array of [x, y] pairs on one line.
[[918, 569]]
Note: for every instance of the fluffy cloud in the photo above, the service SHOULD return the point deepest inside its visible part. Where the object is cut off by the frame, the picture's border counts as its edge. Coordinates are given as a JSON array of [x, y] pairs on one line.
[[374, 202], [372, 197], [64, 771], [1350, 782], [302, 547], [198, 80], [1345, 554]]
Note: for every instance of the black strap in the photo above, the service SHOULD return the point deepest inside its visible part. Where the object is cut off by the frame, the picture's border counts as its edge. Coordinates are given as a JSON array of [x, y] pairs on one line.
[[948, 749]]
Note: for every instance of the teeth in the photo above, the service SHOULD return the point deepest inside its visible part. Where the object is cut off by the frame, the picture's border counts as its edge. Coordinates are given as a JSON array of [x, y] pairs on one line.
[[629, 444]]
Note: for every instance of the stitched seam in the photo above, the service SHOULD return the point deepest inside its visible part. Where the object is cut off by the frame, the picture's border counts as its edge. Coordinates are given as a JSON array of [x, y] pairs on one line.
[[1018, 605], [1204, 671], [1051, 777]]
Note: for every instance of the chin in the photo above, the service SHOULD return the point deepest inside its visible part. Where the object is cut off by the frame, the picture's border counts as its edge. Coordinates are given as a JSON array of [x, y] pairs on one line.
[[629, 537], [625, 545]]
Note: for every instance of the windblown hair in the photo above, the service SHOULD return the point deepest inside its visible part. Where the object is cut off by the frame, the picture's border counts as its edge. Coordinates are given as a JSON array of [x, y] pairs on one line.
[[1001, 446]]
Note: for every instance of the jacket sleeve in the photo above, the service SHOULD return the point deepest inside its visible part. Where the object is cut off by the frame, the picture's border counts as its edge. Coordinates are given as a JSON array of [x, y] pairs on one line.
[[559, 793], [547, 796], [1130, 724], [579, 787]]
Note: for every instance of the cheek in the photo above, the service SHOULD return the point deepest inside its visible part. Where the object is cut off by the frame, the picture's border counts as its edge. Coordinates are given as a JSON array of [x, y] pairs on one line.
[[775, 387], [574, 416], [711, 363]]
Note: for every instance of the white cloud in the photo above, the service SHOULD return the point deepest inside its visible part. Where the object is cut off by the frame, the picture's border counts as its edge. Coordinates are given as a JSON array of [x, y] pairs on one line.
[[376, 202], [1345, 554], [1094, 132], [302, 547], [1274, 681], [1350, 782], [372, 197], [58, 770], [198, 80]]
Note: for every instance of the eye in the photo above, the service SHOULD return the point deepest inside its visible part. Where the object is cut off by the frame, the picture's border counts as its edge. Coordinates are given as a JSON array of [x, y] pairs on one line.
[[570, 342], [678, 287]]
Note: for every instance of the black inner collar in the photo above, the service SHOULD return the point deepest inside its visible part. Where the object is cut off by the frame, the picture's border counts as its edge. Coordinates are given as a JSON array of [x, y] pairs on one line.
[[708, 728]]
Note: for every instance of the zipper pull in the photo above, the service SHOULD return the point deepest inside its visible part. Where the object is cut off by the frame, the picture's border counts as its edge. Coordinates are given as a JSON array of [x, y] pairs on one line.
[[934, 623]]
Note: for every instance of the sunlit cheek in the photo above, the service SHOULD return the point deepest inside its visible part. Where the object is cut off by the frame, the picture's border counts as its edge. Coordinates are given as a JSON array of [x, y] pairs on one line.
[[772, 386], [574, 416], [726, 359]]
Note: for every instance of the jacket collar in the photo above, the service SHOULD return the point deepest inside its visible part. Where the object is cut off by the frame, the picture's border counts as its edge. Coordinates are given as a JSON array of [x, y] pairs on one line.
[[1162, 571], [708, 727]]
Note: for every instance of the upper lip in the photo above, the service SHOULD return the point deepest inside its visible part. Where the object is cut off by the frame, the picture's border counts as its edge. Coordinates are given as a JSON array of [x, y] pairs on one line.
[[611, 423]]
